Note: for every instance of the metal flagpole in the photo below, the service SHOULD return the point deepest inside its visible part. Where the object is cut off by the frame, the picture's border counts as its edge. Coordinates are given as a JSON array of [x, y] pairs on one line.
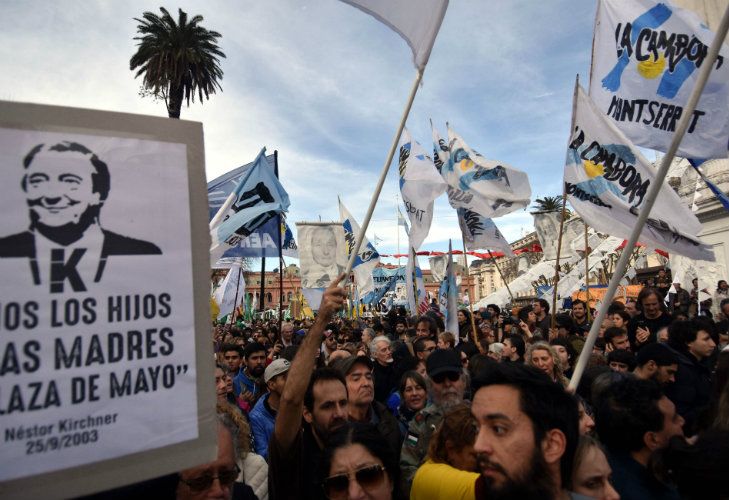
[[381, 181], [653, 191], [280, 254]]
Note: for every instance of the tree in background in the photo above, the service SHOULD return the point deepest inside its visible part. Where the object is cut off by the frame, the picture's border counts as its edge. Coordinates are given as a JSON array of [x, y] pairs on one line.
[[177, 59]]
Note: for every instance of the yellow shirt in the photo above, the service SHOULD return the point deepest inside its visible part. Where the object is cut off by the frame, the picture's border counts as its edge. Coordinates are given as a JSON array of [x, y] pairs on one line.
[[435, 481]]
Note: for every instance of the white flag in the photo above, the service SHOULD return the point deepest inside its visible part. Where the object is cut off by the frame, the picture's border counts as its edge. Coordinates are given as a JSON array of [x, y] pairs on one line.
[[420, 185], [480, 233], [232, 288], [417, 298], [367, 259], [487, 187], [438, 266], [448, 295], [416, 21], [645, 62], [606, 179]]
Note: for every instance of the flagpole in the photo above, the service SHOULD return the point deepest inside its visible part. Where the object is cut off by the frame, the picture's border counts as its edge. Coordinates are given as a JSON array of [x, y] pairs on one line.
[[280, 254], [383, 175], [397, 226], [587, 274], [653, 191], [556, 265], [493, 259], [235, 300], [470, 302]]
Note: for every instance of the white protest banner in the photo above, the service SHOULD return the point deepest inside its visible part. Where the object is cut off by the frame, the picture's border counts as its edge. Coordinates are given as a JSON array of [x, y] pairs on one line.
[[420, 185], [416, 21], [231, 291], [546, 225], [606, 179], [480, 233], [322, 254], [386, 280], [103, 290], [645, 62], [366, 259]]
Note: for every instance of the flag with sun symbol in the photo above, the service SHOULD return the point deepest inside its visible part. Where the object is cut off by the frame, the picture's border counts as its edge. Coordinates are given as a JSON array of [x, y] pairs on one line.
[[607, 179], [646, 57]]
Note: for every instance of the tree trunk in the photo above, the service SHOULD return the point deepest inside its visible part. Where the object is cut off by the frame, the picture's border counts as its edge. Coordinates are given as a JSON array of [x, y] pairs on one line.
[[175, 101]]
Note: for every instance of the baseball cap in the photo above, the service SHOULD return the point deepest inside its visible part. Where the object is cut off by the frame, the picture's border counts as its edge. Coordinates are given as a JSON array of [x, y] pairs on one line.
[[443, 361], [345, 365], [278, 367]]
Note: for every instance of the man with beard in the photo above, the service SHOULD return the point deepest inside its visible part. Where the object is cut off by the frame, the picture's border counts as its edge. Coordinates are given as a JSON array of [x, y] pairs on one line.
[[446, 391], [528, 433], [247, 384], [66, 185], [295, 449], [657, 362], [643, 327]]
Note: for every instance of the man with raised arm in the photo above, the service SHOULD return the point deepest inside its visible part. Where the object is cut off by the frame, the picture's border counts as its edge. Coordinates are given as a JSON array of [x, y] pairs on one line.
[[295, 449]]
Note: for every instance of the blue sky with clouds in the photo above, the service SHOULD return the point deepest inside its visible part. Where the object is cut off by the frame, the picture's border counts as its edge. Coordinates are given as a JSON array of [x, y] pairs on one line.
[[325, 85]]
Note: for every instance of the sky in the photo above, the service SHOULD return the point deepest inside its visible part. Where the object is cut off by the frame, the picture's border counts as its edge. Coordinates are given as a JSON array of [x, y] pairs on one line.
[[325, 85]]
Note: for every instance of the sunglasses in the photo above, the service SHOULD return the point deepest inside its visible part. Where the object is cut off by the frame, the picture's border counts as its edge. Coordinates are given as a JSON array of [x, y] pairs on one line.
[[440, 378], [225, 477], [367, 477]]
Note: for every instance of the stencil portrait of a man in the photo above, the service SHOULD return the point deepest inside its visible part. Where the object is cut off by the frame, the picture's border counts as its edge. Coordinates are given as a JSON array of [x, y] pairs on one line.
[[65, 186]]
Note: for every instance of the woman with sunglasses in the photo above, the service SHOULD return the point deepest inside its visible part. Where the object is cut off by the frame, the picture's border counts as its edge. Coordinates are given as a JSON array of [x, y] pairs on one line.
[[359, 464]]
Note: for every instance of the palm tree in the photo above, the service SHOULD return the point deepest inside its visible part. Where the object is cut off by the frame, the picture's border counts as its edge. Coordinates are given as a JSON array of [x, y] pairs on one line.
[[550, 204], [177, 59]]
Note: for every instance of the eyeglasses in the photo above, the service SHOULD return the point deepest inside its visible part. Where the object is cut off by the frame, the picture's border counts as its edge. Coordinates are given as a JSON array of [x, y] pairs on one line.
[[200, 483], [440, 378], [367, 477]]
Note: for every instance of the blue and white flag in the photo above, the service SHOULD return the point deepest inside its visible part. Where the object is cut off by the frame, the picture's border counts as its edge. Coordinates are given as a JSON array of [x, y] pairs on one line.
[[259, 196], [645, 62], [487, 187], [448, 296], [231, 292], [480, 233], [720, 195], [420, 185], [262, 242], [367, 259], [385, 280], [417, 298], [606, 180]]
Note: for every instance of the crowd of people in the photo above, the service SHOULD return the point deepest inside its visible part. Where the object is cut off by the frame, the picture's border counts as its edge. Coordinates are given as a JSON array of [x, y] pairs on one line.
[[396, 407]]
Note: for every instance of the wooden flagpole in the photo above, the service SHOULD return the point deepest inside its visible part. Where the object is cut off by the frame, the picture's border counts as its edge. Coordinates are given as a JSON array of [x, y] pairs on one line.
[[493, 260], [383, 175]]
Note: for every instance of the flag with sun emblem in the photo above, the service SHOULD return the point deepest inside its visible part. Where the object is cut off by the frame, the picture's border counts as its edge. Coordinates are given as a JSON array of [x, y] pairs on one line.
[[607, 179], [645, 62], [487, 187]]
